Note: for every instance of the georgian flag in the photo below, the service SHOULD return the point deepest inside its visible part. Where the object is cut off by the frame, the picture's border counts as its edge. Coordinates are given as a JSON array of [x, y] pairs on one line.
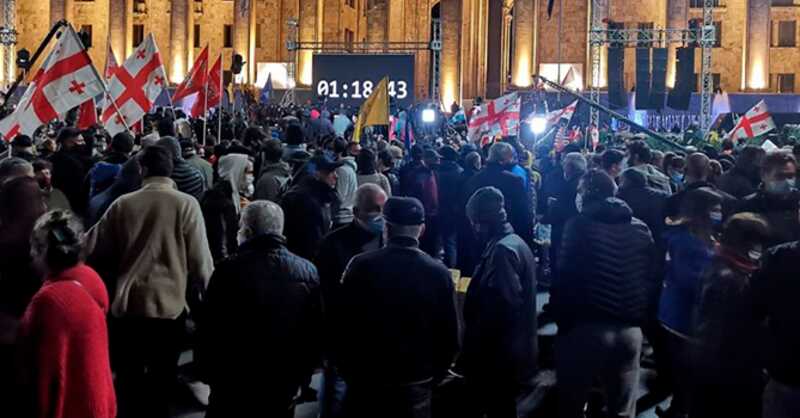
[[756, 122], [111, 63], [135, 87], [66, 79], [557, 116], [500, 116]]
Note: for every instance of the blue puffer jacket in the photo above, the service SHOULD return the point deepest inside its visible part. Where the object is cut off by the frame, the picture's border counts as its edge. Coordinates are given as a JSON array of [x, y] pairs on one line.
[[688, 258]]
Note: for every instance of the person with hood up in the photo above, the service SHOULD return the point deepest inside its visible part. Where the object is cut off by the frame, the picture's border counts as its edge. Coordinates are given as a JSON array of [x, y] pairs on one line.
[[71, 163], [129, 179], [639, 157], [276, 174], [63, 335], [187, 178], [744, 178], [237, 169], [189, 153], [500, 350], [346, 183], [55, 198], [601, 298]]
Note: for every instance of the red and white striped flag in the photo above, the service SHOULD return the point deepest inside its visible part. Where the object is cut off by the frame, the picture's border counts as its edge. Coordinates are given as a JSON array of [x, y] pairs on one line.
[[212, 89], [66, 79], [756, 122], [135, 87], [500, 116], [195, 80]]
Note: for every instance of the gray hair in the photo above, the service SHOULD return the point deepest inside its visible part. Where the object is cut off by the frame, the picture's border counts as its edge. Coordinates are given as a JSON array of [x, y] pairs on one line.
[[261, 217], [15, 167], [500, 152], [574, 162], [366, 194]]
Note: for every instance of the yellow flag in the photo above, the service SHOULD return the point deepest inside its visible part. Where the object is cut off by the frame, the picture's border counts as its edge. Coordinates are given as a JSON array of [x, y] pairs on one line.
[[375, 110]]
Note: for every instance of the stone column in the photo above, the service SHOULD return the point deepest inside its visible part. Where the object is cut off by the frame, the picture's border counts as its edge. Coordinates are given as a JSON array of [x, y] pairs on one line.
[[378, 22], [117, 25], [450, 71], [677, 18], [308, 31], [244, 36], [522, 61], [758, 44], [494, 48], [396, 25], [177, 41]]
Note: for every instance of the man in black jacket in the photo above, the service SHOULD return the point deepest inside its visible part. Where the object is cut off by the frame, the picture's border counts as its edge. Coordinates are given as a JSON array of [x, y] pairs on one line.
[[778, 198], [561, 207], [600, 300], [698, 169], [399, 331], [260, 322], [450, 178], [743, 179], [70, 165], [364, 234], [309, 207], [518, 204], [776, 291], [500, 347]]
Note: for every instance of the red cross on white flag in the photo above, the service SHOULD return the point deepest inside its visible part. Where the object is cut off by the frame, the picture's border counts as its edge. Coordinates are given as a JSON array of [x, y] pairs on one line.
[[756, 122], [500, 116], [134, 88], [66, 79]]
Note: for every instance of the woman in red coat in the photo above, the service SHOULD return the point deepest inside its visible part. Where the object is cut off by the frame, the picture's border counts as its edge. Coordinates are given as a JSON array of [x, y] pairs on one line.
[[63, 335]]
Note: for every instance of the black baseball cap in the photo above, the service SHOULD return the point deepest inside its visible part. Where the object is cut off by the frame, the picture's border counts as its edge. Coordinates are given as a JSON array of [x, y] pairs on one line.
[[406, 211], [325, 163], [23, 141]]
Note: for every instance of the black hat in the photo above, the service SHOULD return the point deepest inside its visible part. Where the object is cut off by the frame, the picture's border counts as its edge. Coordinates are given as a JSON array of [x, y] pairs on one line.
[[325, 163], [487, 206], [404, 211], [122, 142], [449, 153], [23, 141]]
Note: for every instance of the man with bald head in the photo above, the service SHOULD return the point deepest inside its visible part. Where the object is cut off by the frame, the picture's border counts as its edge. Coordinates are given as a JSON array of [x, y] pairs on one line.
[[364, 233], [698, 169]]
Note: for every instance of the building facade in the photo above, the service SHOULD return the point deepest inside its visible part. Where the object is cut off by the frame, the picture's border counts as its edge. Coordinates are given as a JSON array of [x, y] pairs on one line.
[[488, 46]]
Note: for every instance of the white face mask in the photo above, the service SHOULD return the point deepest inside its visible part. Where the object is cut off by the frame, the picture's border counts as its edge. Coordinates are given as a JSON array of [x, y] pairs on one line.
[[754, 255], [579, 202]]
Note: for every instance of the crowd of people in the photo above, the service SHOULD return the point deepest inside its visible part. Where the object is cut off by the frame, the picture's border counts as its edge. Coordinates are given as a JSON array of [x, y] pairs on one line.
[[287, 249]]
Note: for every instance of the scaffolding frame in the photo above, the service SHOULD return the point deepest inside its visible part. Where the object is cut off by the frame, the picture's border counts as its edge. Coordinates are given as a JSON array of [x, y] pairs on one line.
[[8, 39], [704, 36]]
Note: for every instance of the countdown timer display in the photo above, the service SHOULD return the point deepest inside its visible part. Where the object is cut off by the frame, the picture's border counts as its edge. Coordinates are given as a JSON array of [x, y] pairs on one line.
[[350, 78]]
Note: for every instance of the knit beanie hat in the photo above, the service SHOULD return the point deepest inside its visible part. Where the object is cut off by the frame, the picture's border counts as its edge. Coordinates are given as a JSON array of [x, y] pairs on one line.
[[487, 206]]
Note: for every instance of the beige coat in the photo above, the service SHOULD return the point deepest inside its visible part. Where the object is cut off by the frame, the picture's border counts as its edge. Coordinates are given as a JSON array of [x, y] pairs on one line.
[[157, 238]]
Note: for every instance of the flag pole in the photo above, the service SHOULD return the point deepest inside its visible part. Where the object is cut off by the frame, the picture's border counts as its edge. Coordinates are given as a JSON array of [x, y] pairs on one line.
[[105, 88], [205, 114], [219, 108]]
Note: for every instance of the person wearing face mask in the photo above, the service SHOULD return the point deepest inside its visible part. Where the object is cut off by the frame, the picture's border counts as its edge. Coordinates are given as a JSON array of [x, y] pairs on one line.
[[55, 198], [727, 359], [499, 357], [601, 299], [778, 198], [743, 179], [364, 234], [261, 321], [70, 166], [698, 171], [690, 246]]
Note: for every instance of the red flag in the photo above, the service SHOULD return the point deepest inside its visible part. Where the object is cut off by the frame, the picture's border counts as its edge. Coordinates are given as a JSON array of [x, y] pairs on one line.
[[66, 79], [213, 91], [111, 63], [87, 115], [134, 88], [195, 80]]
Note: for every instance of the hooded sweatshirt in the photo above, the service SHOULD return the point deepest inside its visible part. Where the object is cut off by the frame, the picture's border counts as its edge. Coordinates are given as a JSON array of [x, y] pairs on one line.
[[346, 187], [188, 178], [231, 169]]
